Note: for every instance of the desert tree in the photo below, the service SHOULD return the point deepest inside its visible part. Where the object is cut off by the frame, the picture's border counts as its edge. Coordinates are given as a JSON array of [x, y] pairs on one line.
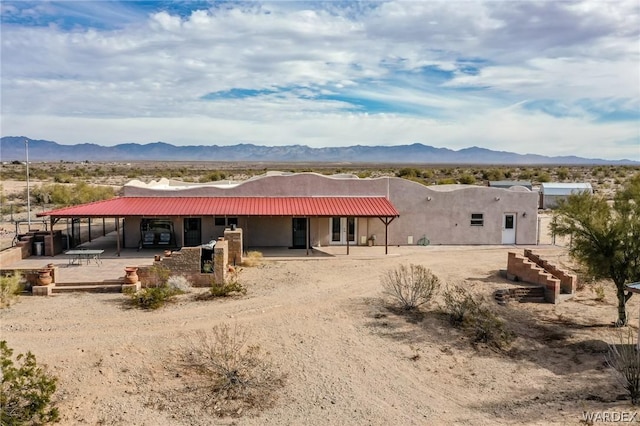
[[605, 239]]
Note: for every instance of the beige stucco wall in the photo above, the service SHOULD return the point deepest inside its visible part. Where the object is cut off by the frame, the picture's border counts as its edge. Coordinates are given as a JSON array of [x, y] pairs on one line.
[[441, 213]]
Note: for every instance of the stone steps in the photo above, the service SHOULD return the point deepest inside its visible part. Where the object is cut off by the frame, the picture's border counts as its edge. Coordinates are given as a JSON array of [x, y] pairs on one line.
[[520, 294], [111, 286]]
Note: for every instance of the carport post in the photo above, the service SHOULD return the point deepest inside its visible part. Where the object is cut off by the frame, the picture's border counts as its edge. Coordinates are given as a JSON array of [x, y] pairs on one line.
[[53, 246], [118, 236], [386, 221], [308, 242], [347, 235]]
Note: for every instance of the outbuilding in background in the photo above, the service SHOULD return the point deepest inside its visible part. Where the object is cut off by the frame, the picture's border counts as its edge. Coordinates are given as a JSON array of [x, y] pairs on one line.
[[552, 192]]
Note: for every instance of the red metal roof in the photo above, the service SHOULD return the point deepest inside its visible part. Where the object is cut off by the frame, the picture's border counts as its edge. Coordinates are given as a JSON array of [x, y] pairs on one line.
[[231, 206]]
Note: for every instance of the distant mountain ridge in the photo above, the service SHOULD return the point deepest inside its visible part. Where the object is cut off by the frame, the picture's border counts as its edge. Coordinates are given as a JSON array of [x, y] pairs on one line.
[[12, 148]]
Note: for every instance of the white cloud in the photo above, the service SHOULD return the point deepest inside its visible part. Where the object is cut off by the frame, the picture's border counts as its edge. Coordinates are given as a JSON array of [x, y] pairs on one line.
[[141, 76]]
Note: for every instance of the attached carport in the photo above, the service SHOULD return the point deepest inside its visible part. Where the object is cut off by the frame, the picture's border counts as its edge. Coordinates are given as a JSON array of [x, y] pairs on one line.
[[295, 207]]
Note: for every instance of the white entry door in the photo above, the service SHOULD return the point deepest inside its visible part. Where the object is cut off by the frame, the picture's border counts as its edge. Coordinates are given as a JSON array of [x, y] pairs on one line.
[[509, 228], [341, 229]]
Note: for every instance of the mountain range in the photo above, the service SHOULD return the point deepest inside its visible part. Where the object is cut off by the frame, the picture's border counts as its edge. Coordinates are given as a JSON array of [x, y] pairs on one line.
[[12, 148]]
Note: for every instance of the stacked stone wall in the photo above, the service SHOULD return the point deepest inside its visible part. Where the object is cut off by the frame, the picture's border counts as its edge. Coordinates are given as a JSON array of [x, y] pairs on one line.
[[234, 239]]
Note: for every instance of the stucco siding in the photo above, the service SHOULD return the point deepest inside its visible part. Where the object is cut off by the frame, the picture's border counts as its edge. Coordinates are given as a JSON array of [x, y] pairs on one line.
[[268, 232], [440, 213], [443, 214]]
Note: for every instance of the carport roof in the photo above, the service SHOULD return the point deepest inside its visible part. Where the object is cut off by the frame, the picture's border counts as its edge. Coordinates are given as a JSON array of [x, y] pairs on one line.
[[231, 206]]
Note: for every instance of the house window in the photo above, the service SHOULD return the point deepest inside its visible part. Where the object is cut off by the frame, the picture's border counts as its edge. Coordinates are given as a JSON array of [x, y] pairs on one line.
[[225, 221], [477, 219]]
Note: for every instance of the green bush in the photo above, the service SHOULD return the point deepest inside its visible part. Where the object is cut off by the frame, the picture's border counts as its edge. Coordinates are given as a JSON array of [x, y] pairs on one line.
[[27, 390], [411, 286], [563, 173], [67, 195], [492, 174], [447, 181], [544, 177], [158, 291], [471, 314], [213, 177], [10, 287], [226, 289], [154, 297], [467, 179]]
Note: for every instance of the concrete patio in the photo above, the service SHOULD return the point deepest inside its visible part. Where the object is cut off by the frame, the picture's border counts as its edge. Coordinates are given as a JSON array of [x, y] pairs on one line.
[[112, 265]]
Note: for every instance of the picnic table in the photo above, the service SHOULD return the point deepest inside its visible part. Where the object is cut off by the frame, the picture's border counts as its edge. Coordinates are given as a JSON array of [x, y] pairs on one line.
[[77, 256]]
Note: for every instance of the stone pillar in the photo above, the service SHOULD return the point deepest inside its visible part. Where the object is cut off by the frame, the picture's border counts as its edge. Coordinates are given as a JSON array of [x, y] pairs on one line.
[[220, 261], [234, 237]]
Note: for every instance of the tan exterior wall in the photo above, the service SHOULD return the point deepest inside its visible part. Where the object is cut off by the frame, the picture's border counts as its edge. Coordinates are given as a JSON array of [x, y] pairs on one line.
[[441, 213]]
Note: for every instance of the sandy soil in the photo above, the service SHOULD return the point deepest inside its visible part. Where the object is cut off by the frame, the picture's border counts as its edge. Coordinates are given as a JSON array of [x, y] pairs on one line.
[[350, 358]]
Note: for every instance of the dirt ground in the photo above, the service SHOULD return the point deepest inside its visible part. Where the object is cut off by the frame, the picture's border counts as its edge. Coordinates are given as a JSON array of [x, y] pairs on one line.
[[349, 356]]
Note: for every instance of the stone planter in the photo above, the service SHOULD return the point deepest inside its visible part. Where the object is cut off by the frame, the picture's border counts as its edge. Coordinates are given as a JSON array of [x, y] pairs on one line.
[[131, 275], [44, 277]]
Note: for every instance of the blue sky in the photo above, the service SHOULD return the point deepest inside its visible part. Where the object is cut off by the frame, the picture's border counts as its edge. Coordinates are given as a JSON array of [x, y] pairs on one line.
[[547, 77]]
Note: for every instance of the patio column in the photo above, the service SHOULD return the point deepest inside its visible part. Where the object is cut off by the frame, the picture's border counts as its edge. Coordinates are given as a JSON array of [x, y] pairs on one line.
[[308, 239], [348, 235], [118, 236], [386, 221]]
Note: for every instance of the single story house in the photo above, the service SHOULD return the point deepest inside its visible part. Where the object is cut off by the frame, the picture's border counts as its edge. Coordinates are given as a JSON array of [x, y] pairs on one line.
[[552, 192], [309, 209]]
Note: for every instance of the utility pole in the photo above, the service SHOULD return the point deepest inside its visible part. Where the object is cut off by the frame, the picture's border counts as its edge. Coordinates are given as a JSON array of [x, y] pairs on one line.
[[26, 144]]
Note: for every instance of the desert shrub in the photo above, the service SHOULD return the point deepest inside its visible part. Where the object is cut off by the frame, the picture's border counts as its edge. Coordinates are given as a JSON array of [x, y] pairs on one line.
[[62, 178], [447, 181], [467, 179], [27, 390], [253, 258], [232, 375], [10, 287], [227, 288], [411, 286], [180, 283], [154, 297], [67, 195], [158, 292], [544, 177], [158, 275], [492, 174], [472, 315], [408, 172], [599, 291], [563, 173], [624, 357], [460, 306], [525, 175], [213, 176]]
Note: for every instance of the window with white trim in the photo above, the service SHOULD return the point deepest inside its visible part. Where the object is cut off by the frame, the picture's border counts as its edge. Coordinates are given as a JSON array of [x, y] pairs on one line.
[[477, 219]]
